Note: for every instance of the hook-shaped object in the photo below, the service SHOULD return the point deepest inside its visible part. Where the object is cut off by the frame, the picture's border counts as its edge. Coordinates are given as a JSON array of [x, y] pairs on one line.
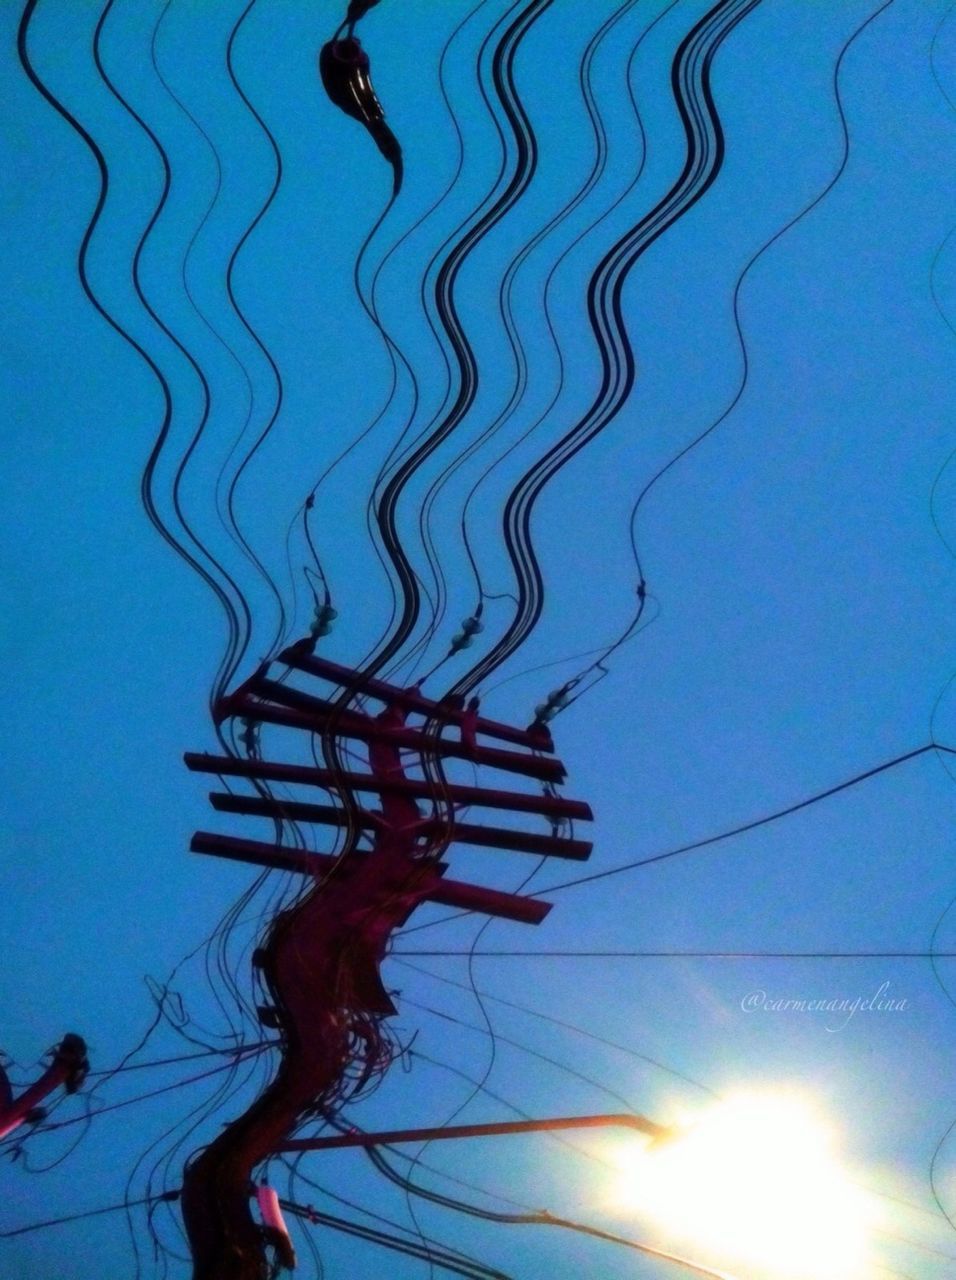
[[344, 67]]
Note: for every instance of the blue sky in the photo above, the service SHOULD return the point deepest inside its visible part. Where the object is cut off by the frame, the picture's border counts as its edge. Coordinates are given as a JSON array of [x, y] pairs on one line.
[[802, 595]]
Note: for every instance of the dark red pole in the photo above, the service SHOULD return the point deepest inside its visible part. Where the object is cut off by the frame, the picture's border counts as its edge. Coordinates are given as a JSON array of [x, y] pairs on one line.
[[68, 1068], [320, 958]]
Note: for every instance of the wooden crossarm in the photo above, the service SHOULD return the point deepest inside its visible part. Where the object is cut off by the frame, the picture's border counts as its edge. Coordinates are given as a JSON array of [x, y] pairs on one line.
[[327, 779], [448, 893], [459, 832], [300, 657], [366, 729]]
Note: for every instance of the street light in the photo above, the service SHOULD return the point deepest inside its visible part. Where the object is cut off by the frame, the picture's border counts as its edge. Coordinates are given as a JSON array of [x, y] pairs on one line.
[[752, 1183], [659, 1134], [755, 1184]]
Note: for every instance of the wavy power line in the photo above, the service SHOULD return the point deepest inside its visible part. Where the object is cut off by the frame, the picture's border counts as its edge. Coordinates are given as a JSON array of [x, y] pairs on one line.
[[234, 627], [632, 627], [506, 314], [522, 170], [690, 83]]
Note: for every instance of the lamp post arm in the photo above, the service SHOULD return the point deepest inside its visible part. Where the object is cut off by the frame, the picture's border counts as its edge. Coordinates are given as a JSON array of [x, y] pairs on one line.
[[389, 1137]]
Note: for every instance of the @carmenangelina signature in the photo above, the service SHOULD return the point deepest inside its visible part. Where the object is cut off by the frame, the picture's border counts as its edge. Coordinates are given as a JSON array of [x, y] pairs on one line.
[[879, 1002]]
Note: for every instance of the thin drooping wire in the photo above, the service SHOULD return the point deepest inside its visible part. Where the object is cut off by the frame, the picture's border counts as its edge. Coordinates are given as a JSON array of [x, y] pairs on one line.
[[74, 1217], [736, 398], [540, 1217], [715, 839], [257, 339], [388, 492], [399, 570], [397, 360], [306, 510], [234, 627], [754, 823], [933, 1183], [549, 1018], [462, 372], [481, 1087], [216, 574], [681, 955], [226, 513], [499, 1038], [505, 307], [934, 490], [427, 1242], [397, 1154], [600, 133], [447, 1261]]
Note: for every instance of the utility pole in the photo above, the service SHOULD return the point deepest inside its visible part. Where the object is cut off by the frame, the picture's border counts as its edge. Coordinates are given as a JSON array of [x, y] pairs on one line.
[[320, 959], [68, 1069]]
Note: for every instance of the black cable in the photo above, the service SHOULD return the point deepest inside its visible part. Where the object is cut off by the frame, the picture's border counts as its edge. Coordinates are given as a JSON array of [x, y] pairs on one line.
[[448, 1262], [228, 516], [698, 955], [745, 373], [752, 825], [86, 1213], [704, 142], [566, 1026], [710, 840], [153, 1093]]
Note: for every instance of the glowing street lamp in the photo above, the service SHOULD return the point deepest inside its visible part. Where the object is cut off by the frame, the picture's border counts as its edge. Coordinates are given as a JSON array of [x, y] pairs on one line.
[[754, 1183], [657, 1133]]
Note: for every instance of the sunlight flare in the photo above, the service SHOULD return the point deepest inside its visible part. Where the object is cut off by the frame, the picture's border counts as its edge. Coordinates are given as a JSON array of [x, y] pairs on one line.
[[755, 1181]]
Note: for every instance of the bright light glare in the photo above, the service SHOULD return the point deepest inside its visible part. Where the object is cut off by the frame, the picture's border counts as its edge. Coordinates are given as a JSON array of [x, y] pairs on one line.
[[755, 1181]]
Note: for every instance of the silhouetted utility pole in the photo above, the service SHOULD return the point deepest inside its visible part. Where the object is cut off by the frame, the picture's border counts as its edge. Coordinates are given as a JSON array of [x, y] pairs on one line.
[[320, 959], [68, 1069]]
